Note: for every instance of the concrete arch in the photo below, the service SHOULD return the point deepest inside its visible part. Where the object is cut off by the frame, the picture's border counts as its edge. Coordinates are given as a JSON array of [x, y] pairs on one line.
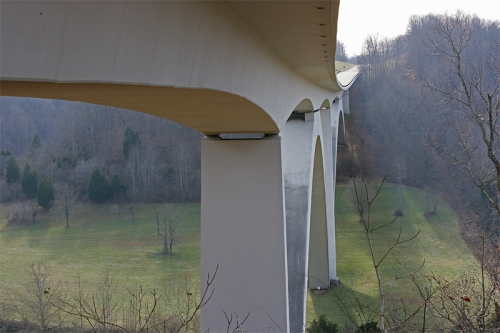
[[341, 130], [325, 104], [222, 112], [305, 105], [318, 261], [309, 209]]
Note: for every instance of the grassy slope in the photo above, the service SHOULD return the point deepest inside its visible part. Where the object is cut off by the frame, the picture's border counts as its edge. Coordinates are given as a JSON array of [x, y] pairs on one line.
[[99, 239], [439, 243]]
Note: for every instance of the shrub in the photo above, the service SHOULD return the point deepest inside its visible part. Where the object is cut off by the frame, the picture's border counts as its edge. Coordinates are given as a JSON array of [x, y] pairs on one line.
[[29, 182], [20, 213], [323, 325], [45, 195], [98, 190], [13, 173], [369, 327]]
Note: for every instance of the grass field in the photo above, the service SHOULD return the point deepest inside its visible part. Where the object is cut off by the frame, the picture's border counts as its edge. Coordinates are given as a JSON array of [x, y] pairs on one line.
[[96, 240], [439, 244], [99, 239]]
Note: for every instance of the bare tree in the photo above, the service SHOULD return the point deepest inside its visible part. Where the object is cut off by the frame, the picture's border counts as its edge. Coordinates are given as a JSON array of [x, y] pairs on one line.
[[65, 199], [132, 167], [467, 303], [429, 203], [40, 298], [84, 169], [20, 213], [358, 206], [149, 175], [143, 311], [362, 194], [399, 169], [469, 82], [172, 216]]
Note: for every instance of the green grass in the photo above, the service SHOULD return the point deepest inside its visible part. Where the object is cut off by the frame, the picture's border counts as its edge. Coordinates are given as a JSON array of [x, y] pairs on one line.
[[99, 239], [343, 66], [439, 244]]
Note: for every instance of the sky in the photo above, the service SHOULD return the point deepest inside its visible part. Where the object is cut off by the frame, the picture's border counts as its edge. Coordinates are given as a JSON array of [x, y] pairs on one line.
[[359, 18]]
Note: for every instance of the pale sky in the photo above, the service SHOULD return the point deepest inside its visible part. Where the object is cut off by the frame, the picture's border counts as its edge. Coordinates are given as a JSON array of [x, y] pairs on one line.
[[358, 18]]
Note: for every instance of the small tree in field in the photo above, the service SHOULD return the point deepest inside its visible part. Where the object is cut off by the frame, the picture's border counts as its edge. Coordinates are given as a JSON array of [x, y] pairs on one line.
[[66, 198], [98, 190], [13, 173], [171, 217], [45, 196], [29, 182]]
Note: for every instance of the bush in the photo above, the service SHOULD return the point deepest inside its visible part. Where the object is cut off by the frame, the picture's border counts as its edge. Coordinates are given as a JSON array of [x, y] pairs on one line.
[[20, 213], [323, 325], [116, 187], [29, 182], [45, 196], [399, 212], [98, 190], [13, 173], [369, 327]]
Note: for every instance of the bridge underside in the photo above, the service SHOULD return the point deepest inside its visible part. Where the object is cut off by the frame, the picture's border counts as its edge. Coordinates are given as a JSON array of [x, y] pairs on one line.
[[222, 112]]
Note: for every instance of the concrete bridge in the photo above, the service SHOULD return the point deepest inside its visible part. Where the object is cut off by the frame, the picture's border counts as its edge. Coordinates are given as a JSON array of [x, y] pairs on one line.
[[258, 79]]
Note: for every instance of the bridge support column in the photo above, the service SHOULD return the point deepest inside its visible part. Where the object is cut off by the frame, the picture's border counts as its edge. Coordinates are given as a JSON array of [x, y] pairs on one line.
[[243, 230]]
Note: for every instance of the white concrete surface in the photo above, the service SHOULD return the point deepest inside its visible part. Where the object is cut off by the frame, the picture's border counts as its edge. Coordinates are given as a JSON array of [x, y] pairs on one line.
[[243, 231], [309, 198]]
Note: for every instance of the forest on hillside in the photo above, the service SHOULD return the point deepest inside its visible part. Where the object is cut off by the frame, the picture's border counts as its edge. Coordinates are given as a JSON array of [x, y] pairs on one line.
[[425, 113], [152, 159]]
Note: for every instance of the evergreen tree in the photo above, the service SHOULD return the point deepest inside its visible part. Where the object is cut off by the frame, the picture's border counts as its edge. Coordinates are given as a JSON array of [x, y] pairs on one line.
[[131, 139], [99, 190], [29, 182], [13, 173], [36, 142], [116, 187], [45, 196], [4, 154]]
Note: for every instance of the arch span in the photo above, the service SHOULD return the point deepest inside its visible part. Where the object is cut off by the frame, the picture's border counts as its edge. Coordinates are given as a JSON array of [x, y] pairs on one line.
[[318, 261], [222, 112], [341, 130]]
